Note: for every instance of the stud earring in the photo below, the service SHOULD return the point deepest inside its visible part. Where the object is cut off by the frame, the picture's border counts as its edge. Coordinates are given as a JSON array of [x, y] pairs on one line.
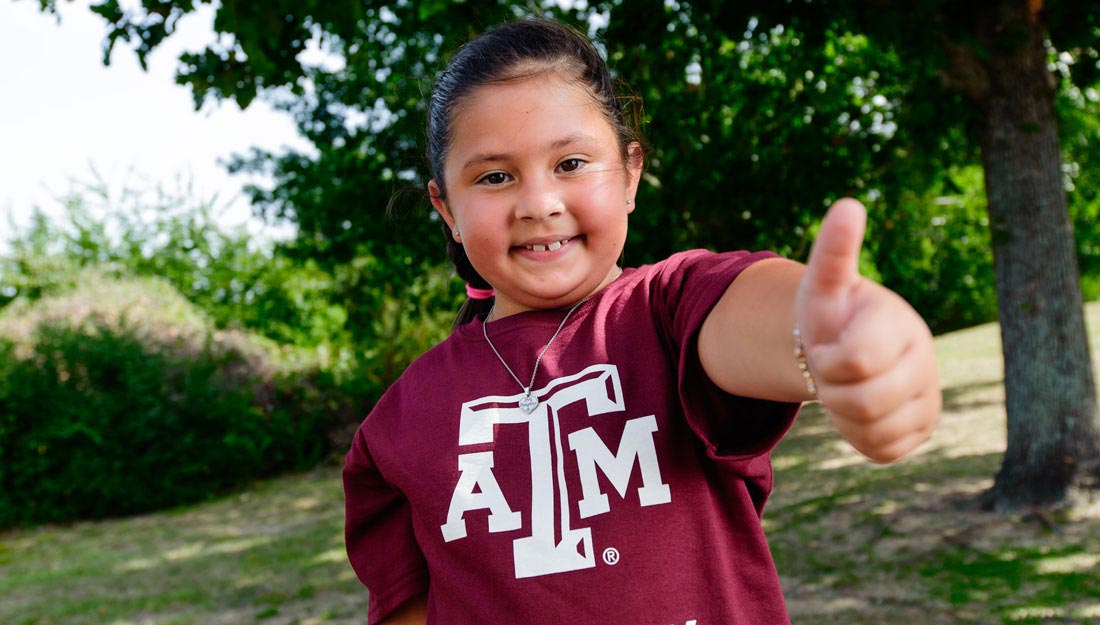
[[456, 233], [630, 201]]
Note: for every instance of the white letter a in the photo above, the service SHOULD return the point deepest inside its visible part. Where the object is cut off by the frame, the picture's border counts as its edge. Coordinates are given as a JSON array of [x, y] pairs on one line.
[[477, 473]]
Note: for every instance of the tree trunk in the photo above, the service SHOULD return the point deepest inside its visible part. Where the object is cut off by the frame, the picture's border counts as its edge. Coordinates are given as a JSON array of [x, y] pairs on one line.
[[1053, 453]]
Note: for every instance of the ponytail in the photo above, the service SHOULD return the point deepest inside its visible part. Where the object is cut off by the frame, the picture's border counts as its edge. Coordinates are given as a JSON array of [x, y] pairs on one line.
[[471, 308]]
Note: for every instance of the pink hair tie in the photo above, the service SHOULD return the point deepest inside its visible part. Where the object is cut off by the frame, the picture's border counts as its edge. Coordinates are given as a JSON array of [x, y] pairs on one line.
[[476, 293]]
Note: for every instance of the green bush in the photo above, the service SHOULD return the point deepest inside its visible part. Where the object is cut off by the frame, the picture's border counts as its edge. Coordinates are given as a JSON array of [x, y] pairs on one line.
[[933, 249], [236, 279], [119, 398]]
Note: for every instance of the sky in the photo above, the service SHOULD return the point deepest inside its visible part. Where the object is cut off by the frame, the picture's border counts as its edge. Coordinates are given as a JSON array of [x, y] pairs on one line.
[[64, 115]]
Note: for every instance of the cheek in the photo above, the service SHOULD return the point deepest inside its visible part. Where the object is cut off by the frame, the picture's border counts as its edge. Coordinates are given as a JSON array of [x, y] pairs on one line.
[[482, 236], [482, 222], [606, 231]]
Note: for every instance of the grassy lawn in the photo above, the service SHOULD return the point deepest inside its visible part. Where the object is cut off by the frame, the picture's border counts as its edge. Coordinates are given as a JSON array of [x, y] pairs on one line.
[[273, 555], [858, 543], [855, 543]]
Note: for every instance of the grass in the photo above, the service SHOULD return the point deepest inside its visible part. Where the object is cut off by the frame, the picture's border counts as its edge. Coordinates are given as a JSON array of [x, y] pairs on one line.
[[907, 543], [273, 554], [855, 543]]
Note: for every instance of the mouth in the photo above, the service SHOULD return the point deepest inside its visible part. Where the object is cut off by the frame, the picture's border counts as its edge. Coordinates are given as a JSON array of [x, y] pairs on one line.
[[548, 247]]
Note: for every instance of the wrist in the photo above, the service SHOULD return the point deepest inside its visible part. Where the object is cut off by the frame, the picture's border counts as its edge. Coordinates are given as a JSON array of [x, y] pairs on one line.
[[804, 363]]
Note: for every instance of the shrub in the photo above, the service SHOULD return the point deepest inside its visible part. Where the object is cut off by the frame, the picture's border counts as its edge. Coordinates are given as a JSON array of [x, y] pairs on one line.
[[236, 279], [119, 398], [933, 249]]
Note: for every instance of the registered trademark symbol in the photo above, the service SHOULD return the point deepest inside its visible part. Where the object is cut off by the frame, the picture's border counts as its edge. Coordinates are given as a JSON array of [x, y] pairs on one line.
[[611, 556]]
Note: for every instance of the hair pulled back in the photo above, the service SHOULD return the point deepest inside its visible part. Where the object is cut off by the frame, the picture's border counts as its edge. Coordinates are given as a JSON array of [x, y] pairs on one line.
[[514, 51]]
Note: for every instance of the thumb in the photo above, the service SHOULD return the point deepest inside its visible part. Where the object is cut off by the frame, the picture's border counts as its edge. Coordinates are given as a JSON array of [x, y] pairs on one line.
[[831, 272]]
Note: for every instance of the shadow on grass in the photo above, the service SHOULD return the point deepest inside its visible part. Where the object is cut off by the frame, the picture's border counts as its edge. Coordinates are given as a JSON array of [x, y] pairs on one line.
[[907, 543], [960, 397], [274, 554], [1039, 584]]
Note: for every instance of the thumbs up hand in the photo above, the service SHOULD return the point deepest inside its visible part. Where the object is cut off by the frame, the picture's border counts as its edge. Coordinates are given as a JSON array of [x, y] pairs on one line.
[[869, 353]]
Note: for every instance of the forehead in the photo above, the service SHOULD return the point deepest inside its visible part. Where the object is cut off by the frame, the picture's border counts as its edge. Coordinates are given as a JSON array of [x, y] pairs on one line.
[[522, 115]]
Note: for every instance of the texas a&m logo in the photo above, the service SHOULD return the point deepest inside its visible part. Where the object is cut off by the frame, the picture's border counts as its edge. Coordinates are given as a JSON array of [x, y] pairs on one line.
[[600, 390]]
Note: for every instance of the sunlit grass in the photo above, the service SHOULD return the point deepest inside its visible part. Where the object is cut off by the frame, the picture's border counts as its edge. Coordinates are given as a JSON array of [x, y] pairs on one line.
[[273, 554]]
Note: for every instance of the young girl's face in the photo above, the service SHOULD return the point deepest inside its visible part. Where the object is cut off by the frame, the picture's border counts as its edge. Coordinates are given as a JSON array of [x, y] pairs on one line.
[[538, 190]]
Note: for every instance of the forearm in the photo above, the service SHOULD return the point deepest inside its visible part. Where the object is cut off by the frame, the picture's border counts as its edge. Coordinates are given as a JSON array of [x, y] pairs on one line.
[[746, 344]]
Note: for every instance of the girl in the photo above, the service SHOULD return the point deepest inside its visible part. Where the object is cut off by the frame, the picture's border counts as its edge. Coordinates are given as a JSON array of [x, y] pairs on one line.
[[591, 444]]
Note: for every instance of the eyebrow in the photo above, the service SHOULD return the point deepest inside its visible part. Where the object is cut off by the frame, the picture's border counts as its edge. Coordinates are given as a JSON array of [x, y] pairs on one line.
[[557, 144]]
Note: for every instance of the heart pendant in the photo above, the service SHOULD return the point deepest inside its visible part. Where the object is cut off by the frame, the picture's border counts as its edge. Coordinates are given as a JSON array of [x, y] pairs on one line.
[[528, 404]]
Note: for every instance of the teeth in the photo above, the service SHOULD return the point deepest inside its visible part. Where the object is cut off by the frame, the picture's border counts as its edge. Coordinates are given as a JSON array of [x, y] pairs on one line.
[[551, 247]]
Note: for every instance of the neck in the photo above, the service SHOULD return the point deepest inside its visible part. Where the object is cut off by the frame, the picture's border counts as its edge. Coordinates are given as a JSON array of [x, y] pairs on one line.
[[506, 307]]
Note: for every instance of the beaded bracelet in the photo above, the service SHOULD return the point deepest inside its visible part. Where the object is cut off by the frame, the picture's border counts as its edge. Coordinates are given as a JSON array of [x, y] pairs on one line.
[[803, 363]]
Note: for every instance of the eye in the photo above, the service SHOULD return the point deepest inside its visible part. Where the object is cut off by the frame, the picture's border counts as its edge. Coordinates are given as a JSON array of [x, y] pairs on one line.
[[571, 165], [494, 178]]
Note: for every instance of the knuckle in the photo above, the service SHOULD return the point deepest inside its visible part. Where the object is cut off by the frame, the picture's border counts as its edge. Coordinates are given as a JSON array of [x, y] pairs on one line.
[[856, 364], [862, 408], [886, 448], [880, 439]]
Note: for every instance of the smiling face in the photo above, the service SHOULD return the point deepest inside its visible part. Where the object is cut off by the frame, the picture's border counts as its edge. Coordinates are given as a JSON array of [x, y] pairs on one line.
[[538, 190]]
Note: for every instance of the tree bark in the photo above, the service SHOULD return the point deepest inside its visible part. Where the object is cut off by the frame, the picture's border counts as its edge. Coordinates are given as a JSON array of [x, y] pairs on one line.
[[1053, 454]]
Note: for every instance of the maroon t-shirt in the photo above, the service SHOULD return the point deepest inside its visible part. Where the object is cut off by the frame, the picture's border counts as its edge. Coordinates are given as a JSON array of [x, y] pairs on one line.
[[631, 494]]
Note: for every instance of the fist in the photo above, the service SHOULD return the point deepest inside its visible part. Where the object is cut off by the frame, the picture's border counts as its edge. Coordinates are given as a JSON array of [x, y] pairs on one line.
[[870, 353]]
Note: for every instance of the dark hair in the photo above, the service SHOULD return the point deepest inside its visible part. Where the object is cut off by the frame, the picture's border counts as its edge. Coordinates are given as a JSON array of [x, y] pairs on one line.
[[509, 52]]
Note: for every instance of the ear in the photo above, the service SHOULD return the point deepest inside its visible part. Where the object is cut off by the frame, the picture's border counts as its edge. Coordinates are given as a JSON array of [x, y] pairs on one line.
[[440, 206], [635, 161]]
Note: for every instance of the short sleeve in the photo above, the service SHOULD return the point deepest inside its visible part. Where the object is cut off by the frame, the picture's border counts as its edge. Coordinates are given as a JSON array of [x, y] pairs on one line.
[[378, 533], [734, 429]]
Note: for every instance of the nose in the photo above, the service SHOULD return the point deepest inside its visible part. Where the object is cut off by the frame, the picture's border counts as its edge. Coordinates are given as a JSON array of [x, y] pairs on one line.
[[539, 202]]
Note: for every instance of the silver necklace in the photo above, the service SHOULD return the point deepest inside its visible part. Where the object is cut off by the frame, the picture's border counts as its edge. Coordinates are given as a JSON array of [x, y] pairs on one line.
[[529, 402]]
